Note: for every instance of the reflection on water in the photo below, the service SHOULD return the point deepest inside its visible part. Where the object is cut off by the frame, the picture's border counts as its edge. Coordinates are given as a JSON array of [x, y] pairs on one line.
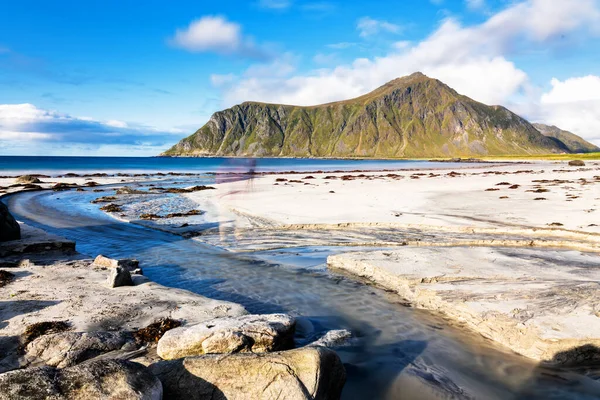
[[399, 353]]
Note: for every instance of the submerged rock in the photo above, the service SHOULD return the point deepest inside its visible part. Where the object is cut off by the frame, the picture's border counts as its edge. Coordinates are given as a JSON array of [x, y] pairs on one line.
[[9, 227], [334, 338], [119, 276], [255, 333], [314, 373], [101, 379], [66, 349]]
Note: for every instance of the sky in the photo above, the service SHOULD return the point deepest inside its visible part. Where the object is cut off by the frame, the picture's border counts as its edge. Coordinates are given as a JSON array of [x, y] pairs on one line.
[[131, 78]]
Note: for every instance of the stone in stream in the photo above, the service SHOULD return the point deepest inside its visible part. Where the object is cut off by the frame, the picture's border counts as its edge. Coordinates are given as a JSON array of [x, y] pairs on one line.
[[66, 349], [314, 373], [129, 264], [101, 379], [334, 338], [119, 276], [248, 333], [9, 227]]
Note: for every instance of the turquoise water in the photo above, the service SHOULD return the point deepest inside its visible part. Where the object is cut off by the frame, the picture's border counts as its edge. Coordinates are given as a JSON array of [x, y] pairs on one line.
[[18, 165]]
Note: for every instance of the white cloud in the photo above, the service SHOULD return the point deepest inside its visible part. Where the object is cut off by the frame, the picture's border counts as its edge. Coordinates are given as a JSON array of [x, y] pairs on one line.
[[472, 59], [573, 90], [573, 105], [26, 122], [341, 45], [368, 26], [275, 4], [216, 34], [219, 80], [475, 4]]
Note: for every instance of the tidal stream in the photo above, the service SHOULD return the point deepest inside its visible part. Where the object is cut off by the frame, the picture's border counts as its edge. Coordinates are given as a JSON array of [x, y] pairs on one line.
[[397, 353]]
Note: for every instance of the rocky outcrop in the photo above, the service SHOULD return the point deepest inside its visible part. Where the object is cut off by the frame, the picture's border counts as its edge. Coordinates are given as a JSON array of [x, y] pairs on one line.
[[66, 349], [102, 379], [27, 179], [414, 116], [248, 333], [314, 373], [9, 228]]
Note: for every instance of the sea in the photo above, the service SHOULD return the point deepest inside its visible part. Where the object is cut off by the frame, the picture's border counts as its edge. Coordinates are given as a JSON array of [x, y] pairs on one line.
[[55, 165]]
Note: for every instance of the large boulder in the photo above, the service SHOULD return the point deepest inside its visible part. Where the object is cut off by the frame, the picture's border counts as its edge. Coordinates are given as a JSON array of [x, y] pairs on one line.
[[66, 349], [9, 228], [314, 373], [248, 333], [102, 379]]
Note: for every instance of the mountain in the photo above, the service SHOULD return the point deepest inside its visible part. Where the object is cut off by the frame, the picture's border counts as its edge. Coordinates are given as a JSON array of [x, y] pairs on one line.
[[411, 117], [574, 143]]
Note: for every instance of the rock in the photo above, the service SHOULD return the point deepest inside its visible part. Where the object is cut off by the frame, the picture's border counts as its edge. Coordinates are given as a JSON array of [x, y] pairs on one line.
[[26, 179], [334, 338], [66, 349], [255, 333], [119, 276], [101, 379], [129, 264], [577, 163], [9, 228], [29, 384], [306, 373]]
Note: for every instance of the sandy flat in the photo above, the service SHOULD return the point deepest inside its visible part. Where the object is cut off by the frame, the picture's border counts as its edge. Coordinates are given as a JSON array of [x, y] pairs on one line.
[[569, 198]]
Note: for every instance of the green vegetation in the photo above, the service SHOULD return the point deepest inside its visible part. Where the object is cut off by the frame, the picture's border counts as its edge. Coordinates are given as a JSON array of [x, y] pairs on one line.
[[557, 157], [410, 117]]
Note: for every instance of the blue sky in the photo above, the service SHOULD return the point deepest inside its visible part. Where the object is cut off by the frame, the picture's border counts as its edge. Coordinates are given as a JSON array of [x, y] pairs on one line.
[[132, 78]]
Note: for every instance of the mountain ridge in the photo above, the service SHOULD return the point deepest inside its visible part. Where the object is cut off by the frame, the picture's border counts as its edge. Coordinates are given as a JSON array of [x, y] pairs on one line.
[[409, 117], [575, 143]]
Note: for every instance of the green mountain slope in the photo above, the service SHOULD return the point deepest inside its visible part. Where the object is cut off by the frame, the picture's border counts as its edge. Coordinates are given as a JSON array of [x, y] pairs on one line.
[[414, 116], [574, 143]]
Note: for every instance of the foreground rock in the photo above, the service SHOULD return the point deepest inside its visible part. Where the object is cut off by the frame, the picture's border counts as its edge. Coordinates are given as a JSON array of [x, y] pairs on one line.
[[34, 240], [314, 373], [9, 227], [118, 277], [66, 349], [60, 287], [248, 333], [544, 304], [127, 263], [103, 379]]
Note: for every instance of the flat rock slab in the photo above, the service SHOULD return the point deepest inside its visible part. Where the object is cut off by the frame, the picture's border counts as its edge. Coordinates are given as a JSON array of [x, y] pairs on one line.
[[248, 333], [104, 379], [544, 304], [35, 240], [314, 373], [66, 349]]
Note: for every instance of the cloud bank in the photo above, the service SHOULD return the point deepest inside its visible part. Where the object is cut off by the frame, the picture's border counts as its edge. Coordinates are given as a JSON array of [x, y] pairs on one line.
[[26, 126]]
